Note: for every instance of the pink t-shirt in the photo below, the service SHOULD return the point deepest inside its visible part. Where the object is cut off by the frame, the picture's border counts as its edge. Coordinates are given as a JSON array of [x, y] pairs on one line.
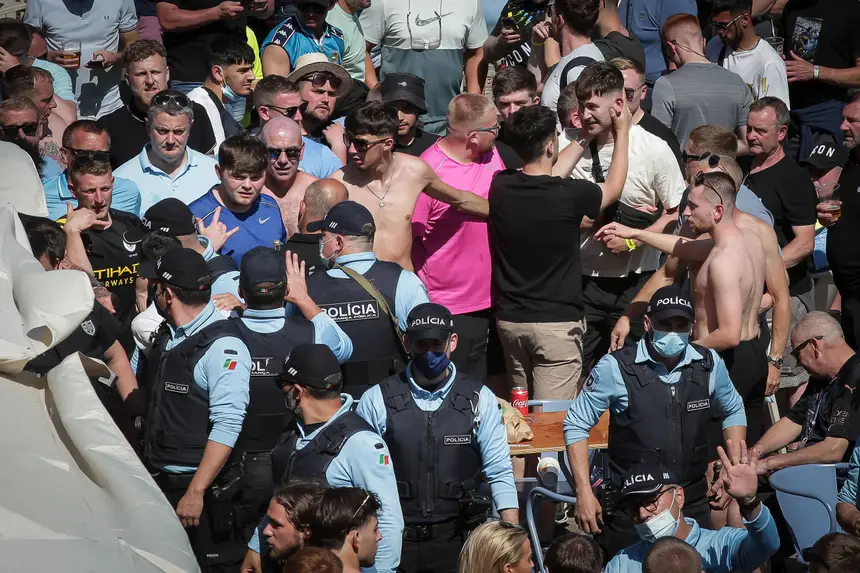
[[451, 250]]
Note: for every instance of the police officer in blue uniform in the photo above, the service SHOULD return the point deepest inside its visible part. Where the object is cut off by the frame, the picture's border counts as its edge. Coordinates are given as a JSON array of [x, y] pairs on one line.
[[661, 394], [270, 336], [199, 372], [330, 443], [445, 432], [372, 312]]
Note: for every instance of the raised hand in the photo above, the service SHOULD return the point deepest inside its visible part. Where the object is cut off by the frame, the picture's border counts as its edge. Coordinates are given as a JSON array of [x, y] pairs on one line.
[[81, 220], [216, 231], [740, 475], [297, 286]]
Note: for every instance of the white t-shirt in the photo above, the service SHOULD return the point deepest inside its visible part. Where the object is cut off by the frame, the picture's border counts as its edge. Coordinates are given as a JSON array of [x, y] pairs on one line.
[[761, 68], [653, 178], [552, 89]]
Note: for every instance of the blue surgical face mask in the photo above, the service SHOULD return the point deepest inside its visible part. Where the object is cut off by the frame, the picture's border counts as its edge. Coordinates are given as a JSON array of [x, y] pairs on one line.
[[669, 344], [431, 364], [328, 262], [231, 96], [664, 524]]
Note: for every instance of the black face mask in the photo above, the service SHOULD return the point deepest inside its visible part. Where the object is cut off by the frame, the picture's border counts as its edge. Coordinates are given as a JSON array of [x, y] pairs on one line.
[[162, 312]]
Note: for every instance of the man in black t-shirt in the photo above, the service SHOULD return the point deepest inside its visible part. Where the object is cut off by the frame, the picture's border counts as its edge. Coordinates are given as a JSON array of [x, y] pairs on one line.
[[147, 74], [406, 93], [320, 196], [534, 238], [510, 40], [110, 238], [822, 50], [825, 420]]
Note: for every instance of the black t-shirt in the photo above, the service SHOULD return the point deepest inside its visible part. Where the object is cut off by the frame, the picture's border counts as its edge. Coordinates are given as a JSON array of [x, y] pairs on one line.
[[422, 142], [788, 193], [128, 133], [844, 236], [92, 338], [824, 32], [307, 247], [829, 409], [188, 50], [655, 127], [526, 14], [534, 240]]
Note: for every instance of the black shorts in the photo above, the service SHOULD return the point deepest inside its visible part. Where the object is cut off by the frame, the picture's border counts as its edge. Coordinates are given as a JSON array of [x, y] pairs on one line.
[[479, 350], [747, 367]]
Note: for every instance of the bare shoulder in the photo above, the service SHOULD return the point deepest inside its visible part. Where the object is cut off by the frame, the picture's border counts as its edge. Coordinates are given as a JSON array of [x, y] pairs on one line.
[[339, 175], [412, 166], [304, 179], [723, 262]]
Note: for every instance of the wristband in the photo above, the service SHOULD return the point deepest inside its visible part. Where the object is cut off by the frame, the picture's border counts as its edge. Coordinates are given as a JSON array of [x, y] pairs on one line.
[[541, 43], [631, 244]]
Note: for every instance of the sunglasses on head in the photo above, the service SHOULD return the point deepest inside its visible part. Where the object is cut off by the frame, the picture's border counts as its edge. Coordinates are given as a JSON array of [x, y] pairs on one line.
[[292, 153], [28, 128], [713, 160], [164, 99], [83, 157], [699, 179], [319, 79]]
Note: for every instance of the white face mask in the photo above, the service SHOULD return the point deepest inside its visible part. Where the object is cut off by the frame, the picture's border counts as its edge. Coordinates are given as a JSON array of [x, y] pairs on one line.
[[664, 524]]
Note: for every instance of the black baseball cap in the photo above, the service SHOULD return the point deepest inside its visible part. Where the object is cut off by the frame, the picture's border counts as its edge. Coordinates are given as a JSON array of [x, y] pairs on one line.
[[319, 2], [826, 156], [345, 218], [312, 365], [429, 321], [404, 87], [170, 216], [262, 265], [643, 479], [181, 268], [671, 301]]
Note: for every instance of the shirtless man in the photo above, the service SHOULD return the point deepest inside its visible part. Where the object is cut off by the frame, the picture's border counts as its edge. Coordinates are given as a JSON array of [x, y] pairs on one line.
[[284, 182], [374, 168]]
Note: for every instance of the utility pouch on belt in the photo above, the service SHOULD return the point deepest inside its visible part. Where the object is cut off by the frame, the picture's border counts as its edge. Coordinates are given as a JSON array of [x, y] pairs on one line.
[[223, 503]]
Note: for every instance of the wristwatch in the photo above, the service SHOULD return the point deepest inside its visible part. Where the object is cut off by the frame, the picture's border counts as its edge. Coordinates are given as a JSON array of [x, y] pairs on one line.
[[816, 71], [777, 362], [582, 142]]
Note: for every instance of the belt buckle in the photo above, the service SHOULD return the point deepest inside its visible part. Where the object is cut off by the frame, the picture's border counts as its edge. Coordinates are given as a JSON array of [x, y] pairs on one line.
[[423, 532]]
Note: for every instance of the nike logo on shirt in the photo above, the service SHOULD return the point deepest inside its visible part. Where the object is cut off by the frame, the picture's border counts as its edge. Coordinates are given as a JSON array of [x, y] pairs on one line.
[[423, 22], [263, 221]]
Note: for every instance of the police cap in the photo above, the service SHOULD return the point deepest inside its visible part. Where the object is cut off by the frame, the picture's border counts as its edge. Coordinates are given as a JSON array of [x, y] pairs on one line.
[[262, 265], [183, 268], [671, 301], [646, 478], [170, 216], [429, 321], [345, 218]]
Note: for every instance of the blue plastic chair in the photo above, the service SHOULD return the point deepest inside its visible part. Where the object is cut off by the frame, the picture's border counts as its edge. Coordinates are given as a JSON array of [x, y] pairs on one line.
[[535, 498], [807, 498]]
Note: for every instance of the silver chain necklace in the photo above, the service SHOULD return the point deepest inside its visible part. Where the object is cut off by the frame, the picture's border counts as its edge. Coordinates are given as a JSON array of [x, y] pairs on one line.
[[387, 188]]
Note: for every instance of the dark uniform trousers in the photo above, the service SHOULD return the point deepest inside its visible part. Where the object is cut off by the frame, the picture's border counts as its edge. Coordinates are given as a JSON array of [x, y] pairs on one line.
[[666, 424], [438, 466]]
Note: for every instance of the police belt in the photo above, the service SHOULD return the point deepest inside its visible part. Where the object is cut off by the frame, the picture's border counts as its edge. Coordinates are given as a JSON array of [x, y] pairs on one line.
[[415, 533], [222, 484]]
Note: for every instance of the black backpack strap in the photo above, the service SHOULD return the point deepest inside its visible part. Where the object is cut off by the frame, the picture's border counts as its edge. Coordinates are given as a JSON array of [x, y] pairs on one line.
[[574, 63]]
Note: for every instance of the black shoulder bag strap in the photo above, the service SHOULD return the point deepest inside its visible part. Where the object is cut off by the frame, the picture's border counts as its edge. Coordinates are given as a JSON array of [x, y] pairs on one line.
[[596, 169], [574, 63]]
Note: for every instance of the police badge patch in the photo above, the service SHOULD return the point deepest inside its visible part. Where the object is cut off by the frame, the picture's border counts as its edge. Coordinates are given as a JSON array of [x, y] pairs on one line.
[[88, 327], [590, 382]]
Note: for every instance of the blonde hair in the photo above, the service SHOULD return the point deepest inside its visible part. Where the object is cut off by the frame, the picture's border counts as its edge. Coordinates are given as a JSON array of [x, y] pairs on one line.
[[492, 546], [628, 64], [466, 111]]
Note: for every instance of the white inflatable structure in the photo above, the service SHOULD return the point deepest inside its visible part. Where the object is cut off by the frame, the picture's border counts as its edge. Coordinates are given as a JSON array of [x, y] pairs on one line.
[[73, 495]]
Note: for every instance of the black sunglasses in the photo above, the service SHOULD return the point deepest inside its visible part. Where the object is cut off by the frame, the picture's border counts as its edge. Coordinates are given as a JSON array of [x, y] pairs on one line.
[[795, 352], [315, 8], [28, 128], [83, 157], [699, 179], [630, 93], [319, 79], [360, 145], [165, 99], [289, 112], [712, 162], [292, 153], [725, 25]]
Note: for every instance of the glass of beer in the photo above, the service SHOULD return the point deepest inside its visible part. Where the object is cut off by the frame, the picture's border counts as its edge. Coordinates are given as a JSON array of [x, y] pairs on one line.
[[71, 51], [828, 199], [777, 44]]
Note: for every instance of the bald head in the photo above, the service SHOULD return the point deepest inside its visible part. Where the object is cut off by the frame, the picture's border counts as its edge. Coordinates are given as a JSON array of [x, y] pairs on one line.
[[320, 196], [281, 128], [817, 324]]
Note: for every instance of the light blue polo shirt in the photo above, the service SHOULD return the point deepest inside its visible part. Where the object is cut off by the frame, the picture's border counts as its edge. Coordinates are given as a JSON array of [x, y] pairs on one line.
[[318, 160], [195, 178], [296, 40], [126, 196]]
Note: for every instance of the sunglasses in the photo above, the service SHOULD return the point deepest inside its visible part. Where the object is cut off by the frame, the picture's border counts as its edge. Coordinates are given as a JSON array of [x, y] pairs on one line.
[[319, 79], [360, 145], [699, 179], [165, 99], [82, 157], [722, 26], [289, 112], [315, 8], [795, 352], [293, 153], [687, 157], [29, 129], [363, 503], [630, 93]]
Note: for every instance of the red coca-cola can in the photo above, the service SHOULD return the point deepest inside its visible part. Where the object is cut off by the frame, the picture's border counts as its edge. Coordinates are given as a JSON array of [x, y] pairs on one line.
[[520, 399]]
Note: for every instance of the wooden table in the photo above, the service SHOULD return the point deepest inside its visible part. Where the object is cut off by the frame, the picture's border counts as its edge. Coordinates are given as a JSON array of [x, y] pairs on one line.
[[549, 437]]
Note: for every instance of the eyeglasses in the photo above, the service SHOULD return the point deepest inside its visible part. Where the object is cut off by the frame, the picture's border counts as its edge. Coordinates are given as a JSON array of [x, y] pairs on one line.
[[360, 145], [630, 93], [289, 112], [164, 99], [315, 8], [725, 26], [366, 499], [699, 179], [28, 128], [293, 153], [419, 44], [651, 506], [795, 352], [319, 79], [83, 157], [494, 129], [687, 157]]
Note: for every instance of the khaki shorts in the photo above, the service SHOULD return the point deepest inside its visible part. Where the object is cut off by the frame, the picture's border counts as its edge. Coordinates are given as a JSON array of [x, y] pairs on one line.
[[545, 357]]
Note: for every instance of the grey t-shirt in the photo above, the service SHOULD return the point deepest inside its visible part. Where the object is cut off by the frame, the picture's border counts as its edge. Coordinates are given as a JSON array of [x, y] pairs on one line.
[[700, 94]]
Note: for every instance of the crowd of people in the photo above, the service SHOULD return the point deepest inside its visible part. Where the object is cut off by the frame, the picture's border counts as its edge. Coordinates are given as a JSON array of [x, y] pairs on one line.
[[326, 236]]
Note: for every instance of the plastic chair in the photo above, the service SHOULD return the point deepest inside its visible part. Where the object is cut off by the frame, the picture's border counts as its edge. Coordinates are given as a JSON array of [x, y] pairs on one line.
[[532, 502], [807, 498]]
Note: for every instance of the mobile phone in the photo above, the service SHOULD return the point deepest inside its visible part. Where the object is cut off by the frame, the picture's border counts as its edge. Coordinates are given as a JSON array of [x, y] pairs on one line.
[[96, 64], [510, 23]]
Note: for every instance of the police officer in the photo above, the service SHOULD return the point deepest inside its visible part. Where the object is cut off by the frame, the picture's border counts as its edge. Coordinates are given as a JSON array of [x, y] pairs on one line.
[[198, 374], [445, 430], [270, 336], [355, 291], [329, 442], [661, 394]]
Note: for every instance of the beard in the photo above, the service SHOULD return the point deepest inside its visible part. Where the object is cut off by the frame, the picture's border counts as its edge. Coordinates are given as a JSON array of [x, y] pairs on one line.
[[31, 150]]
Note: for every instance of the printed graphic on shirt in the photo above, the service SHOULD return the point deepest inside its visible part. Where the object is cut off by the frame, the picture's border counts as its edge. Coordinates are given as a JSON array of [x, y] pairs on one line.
[[260, 366], [88, 327], [525, 17], [804, 40], [352, 311], [590, 382]]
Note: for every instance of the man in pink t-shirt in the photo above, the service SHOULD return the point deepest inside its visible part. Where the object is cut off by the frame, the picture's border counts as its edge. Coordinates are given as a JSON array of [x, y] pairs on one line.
[[451, 250]]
